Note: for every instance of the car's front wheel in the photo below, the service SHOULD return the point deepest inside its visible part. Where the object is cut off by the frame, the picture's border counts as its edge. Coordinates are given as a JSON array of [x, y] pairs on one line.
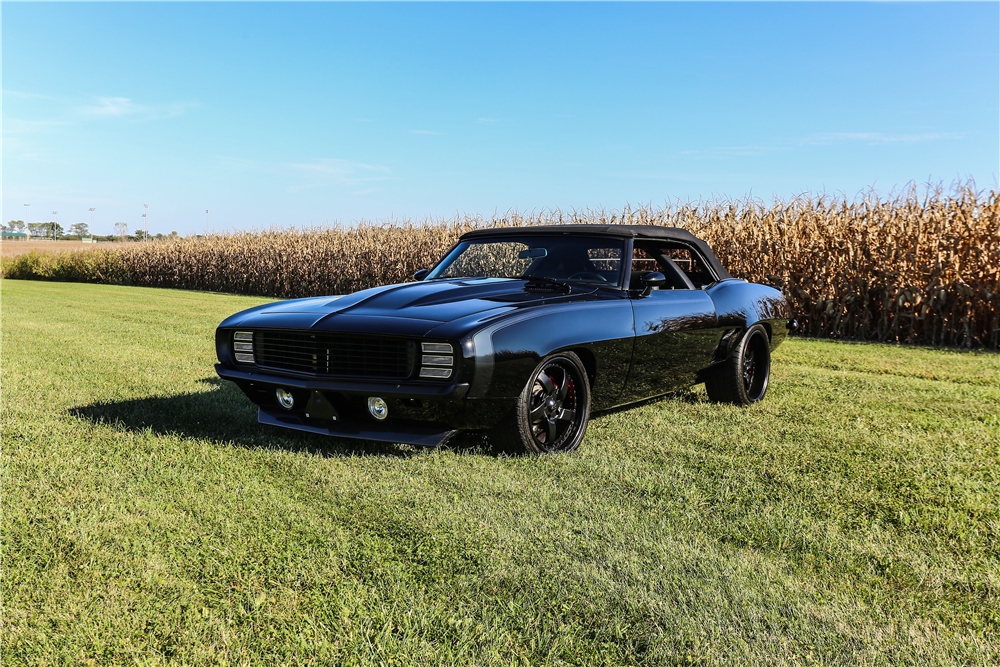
[[743, 378], [552, 411]]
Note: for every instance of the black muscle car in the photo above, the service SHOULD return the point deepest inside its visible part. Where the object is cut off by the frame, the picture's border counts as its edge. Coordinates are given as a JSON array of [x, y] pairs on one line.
[[523, 331]]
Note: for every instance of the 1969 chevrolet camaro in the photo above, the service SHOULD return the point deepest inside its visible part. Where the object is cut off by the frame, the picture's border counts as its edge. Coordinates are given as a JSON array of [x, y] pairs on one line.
[[519, 331]]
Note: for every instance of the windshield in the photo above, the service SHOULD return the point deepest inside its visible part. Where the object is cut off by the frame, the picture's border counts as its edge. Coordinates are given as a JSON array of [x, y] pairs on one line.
[[573, 259]]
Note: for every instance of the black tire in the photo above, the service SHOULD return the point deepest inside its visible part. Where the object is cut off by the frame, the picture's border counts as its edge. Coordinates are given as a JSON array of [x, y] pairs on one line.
[[552, 411], [743, 378]]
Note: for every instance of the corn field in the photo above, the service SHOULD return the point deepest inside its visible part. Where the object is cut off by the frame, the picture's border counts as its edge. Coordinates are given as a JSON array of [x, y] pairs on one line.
[[922, 267]]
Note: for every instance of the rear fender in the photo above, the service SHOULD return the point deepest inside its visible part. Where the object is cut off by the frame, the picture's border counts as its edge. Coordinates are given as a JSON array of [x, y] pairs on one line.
[[740, 305]]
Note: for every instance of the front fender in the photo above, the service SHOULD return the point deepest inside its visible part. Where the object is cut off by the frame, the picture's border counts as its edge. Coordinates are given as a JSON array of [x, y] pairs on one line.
[[507, 351]]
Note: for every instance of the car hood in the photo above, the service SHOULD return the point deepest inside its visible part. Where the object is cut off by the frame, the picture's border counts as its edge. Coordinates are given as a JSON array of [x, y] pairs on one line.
[[411, 309]]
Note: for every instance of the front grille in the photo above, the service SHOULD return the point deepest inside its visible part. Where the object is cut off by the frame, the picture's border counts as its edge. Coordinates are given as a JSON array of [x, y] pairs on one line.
[[340, 354]]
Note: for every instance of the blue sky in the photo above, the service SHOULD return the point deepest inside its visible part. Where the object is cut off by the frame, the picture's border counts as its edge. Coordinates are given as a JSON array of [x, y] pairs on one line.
[[291, 114]]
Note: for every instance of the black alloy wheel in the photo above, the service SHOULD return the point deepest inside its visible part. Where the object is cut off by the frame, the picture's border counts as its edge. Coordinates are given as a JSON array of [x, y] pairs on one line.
[[743, 378], [552, 411]]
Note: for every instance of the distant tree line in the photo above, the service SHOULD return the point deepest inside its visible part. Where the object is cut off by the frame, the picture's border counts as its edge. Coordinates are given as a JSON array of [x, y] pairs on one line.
[[77, 231]]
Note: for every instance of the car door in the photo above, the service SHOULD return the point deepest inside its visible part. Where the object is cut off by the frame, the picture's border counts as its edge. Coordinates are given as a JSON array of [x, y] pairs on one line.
[[676, 328]]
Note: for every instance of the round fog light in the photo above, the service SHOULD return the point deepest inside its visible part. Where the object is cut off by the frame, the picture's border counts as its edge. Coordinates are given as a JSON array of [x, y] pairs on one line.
[[378, 408], [285, 398]]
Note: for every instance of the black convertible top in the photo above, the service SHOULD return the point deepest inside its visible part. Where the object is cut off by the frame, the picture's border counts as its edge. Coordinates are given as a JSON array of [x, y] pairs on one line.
[[629, 231]]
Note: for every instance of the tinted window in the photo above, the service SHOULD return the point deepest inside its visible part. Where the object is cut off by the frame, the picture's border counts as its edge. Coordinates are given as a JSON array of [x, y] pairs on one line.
[[576, 259]]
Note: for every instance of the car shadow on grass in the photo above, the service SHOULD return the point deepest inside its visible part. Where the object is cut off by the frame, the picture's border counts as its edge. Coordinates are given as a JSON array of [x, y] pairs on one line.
[[225, 416]]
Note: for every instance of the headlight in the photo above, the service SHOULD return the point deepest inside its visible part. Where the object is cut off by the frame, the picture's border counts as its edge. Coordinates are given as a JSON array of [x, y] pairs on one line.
[[378, 408], [285, 398]]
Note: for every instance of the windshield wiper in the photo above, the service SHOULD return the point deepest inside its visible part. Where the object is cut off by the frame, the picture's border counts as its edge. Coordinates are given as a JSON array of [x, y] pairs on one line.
[[540, 282]]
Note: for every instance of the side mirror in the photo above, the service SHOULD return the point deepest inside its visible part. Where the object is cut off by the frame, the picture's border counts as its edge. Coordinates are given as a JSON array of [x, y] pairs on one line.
[[651, 280], [421, 274]]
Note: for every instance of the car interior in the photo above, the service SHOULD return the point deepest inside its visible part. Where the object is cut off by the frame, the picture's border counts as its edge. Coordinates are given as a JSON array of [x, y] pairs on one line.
[[576, 262], [681, 266]]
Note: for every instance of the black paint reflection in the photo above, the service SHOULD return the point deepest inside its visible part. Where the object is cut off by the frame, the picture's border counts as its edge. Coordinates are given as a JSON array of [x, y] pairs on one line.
[[681, 323], [676, 336]]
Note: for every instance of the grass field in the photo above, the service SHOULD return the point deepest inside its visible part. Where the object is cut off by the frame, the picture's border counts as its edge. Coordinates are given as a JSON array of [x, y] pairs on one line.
[[853, 518]]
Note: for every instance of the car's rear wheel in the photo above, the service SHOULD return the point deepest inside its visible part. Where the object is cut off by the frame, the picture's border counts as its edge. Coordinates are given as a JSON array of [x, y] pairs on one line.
[[552, 410], [743, 378]]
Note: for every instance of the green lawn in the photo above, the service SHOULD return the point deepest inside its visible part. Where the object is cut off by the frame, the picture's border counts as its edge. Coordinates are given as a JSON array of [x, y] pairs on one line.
[[852, 518]]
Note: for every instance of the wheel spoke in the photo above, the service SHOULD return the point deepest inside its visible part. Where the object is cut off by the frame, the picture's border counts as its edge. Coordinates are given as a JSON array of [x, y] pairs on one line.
[[546, 382], [550, 431], [566, 415], [564, 389], [537, 413], [749, 363]]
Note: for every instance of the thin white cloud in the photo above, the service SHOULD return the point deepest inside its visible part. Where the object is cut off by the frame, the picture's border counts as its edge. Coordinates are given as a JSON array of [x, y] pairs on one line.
[[26, 149], [317, 172], [731, 151], [821, 139], [25, 139], [237, 161], [322, 172], [424, 132], [337, 167], [112, 107], [20, 94], [98, 107], [368, 191], [124, 107], [825, 138], [36, 116], [244, 164], [21, 126], [300, 188]]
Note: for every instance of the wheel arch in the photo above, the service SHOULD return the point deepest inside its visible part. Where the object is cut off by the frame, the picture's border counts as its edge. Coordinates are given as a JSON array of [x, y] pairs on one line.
[[589, 361], [725, 381], [729, 339]]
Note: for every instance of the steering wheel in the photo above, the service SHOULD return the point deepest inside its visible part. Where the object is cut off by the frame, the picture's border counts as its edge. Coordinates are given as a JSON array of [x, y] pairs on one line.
[[587, 275]]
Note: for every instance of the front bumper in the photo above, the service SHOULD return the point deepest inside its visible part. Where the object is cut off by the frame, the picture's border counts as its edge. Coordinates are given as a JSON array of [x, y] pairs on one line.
[[349, 387], [424, 414]]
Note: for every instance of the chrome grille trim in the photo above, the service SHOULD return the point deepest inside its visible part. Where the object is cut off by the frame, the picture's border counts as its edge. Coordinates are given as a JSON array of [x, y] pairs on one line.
[[429, 360]]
